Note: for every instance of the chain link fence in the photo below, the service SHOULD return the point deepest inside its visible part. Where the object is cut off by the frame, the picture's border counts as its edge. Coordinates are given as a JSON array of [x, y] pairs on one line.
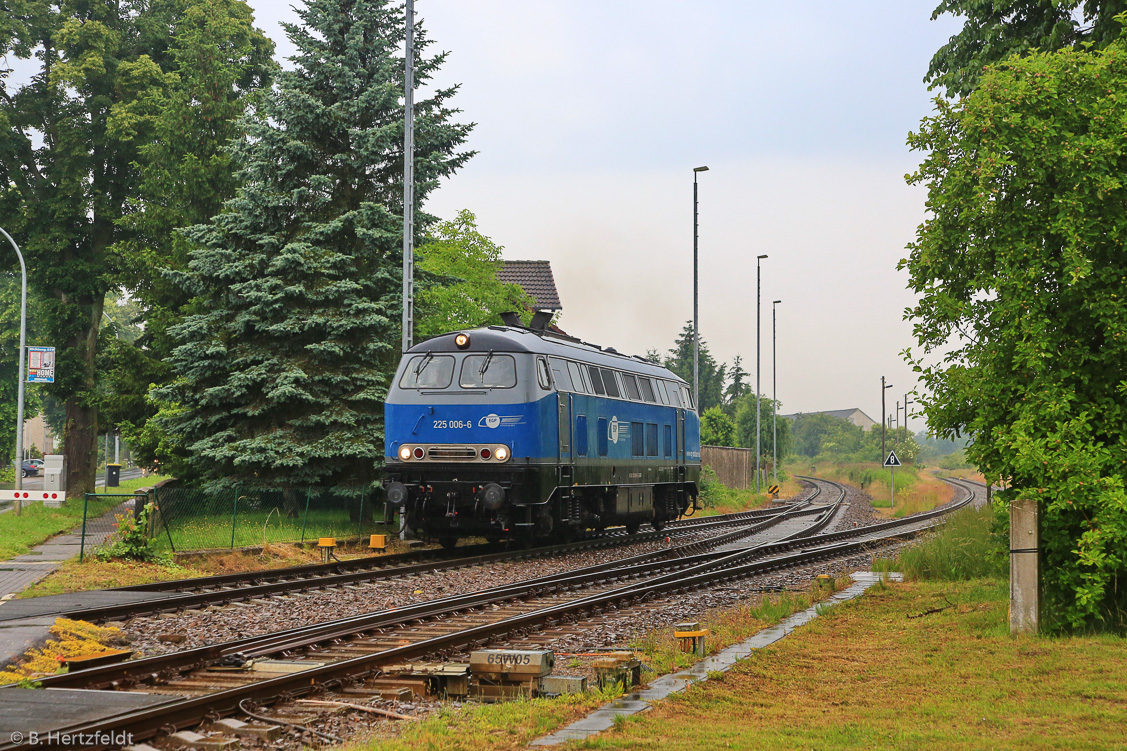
[[196, 519], [102, 516]]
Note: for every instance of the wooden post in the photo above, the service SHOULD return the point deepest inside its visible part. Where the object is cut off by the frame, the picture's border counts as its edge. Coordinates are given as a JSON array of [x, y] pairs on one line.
[[1024, 566]]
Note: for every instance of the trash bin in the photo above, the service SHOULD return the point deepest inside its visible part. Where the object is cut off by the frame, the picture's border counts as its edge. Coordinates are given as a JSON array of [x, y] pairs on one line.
[[113, 475]]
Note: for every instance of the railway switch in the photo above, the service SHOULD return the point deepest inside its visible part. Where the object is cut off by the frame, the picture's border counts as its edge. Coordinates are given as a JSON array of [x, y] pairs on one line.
[[506, 673], [691, 638]]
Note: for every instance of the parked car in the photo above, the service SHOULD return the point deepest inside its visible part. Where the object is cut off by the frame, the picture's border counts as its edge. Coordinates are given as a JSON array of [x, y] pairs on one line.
[[38, 463], [29, 469]]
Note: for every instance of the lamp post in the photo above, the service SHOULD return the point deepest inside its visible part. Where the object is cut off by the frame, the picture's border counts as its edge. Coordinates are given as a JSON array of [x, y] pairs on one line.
[[883, 424], [20, 371], [757, 392], [696, 324], [774, 394], [409, 179]]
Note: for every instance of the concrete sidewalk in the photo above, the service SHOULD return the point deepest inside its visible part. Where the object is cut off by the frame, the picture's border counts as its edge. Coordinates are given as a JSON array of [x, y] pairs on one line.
[[18, 573]]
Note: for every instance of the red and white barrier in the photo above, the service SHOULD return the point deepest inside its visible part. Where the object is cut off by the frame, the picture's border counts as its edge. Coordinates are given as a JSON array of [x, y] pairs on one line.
[[49, 497]]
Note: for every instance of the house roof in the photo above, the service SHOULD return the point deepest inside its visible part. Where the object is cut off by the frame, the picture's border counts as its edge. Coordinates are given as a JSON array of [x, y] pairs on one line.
[[536, 279], [844, 414]]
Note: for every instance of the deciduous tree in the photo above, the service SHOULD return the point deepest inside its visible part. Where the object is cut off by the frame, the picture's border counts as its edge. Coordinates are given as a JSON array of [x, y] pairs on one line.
[[1021, 321]]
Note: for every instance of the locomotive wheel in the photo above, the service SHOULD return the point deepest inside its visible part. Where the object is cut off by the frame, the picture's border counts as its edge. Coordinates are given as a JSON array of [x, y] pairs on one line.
[[632, 528], [448, 542], [658, 524]]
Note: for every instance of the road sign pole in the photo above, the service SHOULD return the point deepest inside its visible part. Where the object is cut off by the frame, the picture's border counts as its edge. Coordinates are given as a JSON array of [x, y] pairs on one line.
[[892, 471]]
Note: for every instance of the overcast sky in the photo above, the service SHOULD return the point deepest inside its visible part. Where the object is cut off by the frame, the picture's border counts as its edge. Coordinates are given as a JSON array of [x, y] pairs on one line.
[[591, 115]]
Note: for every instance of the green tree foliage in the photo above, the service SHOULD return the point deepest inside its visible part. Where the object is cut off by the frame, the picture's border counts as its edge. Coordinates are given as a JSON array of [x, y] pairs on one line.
[[1021, 274], [472, 296], [70, 166], [816, 434], [283, 367], [995, 29], [737, 388], [716, 428], [712, 374], [745, 427]]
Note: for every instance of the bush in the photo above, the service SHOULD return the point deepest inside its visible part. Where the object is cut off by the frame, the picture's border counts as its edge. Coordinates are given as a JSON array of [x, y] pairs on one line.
[[131, 540]]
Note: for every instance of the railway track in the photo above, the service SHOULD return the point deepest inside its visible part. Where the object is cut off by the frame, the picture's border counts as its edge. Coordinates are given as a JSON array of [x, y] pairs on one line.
[[212, 591], [219, 679]]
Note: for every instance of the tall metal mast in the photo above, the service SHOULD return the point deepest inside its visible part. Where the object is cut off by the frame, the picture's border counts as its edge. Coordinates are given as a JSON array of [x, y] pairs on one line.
[[409, 182]]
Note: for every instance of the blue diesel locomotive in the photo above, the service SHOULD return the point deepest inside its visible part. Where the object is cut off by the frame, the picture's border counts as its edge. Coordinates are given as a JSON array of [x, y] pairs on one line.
[[514, 432]]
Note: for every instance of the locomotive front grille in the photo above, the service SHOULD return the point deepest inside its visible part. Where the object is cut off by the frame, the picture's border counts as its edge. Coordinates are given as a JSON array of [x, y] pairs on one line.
[[452, 453]]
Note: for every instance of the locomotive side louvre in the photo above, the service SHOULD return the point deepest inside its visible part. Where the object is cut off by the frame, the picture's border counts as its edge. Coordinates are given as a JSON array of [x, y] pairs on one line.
[[591, 438]]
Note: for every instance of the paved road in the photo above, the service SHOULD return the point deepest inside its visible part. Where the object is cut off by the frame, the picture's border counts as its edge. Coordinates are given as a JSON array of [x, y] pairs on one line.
[[36, 483]]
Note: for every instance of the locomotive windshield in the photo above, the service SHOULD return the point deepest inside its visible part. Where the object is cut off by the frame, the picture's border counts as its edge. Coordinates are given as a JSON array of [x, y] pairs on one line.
[[428, 371], [488, 371]]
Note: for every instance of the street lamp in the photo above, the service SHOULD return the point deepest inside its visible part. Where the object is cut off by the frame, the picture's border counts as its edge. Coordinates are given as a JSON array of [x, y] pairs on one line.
[[774, 395], [408, 324], [883, 388], [20, 371], [757, 392], [696, 324]]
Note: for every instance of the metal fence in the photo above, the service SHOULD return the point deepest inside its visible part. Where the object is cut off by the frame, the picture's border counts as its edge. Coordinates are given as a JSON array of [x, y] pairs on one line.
[[195, 519], [102, 514]]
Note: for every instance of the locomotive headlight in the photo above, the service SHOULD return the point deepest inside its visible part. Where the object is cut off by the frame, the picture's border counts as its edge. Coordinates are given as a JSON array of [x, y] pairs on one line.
[[396, 493], [502, 453], [461, 341], [404, 452]]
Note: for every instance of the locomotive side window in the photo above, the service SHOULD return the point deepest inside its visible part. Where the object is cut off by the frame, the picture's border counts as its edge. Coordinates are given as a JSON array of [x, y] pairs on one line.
[[542, 376], [596, 381], [674, 395], [651, 439], [647, 390], [661, 392], [688, 397], [637, 439], [602, 437], [488, 371], [668, 441], [581, 435], [610, 383], [576, 377], [632, 391], [563, 379], [428, 371]]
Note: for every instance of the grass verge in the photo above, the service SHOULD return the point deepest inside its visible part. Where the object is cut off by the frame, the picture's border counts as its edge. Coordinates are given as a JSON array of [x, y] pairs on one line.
[[908, 666], [917, 490], [38, 523]]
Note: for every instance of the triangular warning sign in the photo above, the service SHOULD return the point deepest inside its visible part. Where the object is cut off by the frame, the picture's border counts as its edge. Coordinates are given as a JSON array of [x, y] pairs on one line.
[[892, 461]]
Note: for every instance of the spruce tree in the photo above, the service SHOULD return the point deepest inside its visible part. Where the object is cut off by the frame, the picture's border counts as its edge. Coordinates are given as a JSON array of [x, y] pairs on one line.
[[283, 367]]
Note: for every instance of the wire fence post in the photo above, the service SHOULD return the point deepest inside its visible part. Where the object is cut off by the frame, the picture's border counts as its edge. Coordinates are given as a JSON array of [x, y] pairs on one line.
[[305, 519], [82, 544], [234, 515], [360, 518], [164, 520]]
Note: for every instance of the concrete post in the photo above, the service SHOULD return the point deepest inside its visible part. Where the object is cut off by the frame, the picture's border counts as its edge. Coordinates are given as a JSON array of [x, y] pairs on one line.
[[1025, 571]]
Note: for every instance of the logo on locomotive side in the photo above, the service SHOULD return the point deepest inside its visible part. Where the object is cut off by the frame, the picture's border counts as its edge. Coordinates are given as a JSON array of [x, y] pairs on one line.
[[497, 421], [613, 431]]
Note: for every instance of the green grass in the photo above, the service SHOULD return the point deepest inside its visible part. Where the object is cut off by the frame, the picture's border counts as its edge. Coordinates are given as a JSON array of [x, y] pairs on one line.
[[38, 523], [963, 548], [257, 527]]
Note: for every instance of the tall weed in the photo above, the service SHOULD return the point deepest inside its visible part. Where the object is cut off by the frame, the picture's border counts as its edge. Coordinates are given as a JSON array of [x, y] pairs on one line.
[[964, 547]]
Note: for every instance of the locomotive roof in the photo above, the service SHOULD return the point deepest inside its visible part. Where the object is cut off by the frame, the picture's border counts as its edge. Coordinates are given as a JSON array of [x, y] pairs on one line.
[[513, 339]]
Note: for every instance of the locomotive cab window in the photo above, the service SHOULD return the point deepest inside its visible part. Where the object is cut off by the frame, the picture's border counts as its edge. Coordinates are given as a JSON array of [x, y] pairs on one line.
[[662, 394], [576, 377], [674, 395], [428, 371], [631, 384], [488, 371], [688, 397], [542, 376], [563, 380]]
